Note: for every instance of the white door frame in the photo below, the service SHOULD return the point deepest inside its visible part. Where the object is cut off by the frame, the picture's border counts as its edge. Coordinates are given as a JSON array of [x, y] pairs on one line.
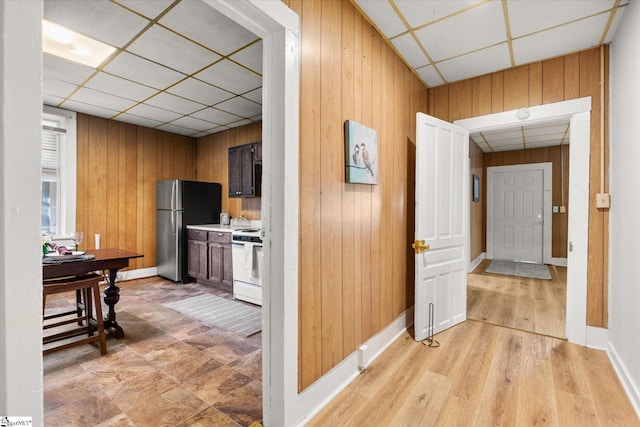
[[546, 204], [279, 28], [579, 112]]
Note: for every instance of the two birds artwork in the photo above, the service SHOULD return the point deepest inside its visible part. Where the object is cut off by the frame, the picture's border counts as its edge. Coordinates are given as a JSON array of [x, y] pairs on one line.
[[361, 157]]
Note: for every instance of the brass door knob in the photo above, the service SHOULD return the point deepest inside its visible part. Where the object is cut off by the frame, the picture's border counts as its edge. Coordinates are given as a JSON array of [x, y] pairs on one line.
[[419, 246]]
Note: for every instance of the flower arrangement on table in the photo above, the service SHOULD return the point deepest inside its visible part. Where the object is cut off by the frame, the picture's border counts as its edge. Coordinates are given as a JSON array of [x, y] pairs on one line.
[[49, 246]]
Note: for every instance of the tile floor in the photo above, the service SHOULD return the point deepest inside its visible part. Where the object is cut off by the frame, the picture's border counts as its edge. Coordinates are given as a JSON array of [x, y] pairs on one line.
[[168, 370]]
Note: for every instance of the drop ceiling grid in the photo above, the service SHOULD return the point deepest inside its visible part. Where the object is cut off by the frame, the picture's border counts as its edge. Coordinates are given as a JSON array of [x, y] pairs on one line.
[[153, 80]]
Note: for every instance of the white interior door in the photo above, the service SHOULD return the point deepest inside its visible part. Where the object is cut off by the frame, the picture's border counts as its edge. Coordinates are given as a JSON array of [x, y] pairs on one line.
[[518, 215], [442, 210]]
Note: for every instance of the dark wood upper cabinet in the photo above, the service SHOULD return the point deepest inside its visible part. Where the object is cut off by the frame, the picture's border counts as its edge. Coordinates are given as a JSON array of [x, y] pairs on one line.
[[245, 170]]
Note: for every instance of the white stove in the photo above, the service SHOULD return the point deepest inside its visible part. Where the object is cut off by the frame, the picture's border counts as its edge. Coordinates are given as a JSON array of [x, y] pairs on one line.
[[247, 259]]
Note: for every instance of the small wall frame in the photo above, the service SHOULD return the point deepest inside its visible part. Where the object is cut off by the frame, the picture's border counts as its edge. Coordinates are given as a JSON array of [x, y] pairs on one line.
[[361, 153]]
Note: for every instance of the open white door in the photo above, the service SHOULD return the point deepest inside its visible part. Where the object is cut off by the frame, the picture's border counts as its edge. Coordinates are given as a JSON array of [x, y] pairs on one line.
[[442, 209]]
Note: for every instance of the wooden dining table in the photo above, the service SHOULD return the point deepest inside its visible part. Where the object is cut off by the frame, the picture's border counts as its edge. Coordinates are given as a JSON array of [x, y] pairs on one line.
[[110, 260]]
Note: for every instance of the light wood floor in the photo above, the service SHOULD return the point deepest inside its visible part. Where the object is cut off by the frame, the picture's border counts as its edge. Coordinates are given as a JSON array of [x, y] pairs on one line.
[[532, 305], [483, 375]]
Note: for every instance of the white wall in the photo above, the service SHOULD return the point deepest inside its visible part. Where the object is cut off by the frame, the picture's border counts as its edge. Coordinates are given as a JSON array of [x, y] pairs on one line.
[[624, 285], [20, 264]]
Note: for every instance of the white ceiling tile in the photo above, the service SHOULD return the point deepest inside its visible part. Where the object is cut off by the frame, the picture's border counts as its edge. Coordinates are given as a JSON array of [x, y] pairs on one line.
[[553, 139], [120, 87], [614, 25], [144, 110], [94, 97], [542, 144], [150, 9], [225, 74], [214, 115], [241, 107], [239, 123], [512, 135], [200, 134], [166, 48], [193, 123], [200, 91], [137, 120], [561, 40], [174, 103], [474, 29], [384, 16], [200, 22], [526, 17], [476, 64], [218, 130], [64, 70], [410, 50], [254, 95], [430, 76], [53, 100], [81, 107], [250, 57], [419, 13], [170, 127], [256, 118], [140, 70], [57, 87], [102, 20]]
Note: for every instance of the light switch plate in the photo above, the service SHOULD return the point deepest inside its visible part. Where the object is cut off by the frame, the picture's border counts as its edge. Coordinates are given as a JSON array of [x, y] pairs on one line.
[[563, 209], [555, 209], [603, 200]]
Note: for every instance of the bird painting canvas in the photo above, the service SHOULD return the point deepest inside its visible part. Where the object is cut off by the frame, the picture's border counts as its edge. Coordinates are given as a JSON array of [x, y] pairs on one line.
[[361, 153]]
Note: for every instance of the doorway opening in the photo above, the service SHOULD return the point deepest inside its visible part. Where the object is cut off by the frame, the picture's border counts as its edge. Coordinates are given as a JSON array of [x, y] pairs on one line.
[[578, 113]]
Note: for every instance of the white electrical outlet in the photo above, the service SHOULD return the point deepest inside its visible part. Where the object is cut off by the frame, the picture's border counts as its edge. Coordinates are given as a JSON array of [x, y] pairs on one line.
[[555, 209]]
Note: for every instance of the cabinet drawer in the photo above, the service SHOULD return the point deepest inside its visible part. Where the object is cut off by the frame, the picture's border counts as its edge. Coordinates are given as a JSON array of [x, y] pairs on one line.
[[197, 234], [219, 237]]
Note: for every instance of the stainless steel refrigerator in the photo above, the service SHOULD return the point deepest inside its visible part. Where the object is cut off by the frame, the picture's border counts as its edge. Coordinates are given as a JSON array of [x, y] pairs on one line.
[[181, 203]]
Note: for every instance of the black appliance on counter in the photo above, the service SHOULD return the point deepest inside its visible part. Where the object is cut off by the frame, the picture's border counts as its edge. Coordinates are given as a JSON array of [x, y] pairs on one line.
[[181, 203]]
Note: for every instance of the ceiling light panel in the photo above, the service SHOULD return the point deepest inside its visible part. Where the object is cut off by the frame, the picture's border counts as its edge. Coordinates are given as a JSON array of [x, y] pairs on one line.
[[101, 20], [62, 42]]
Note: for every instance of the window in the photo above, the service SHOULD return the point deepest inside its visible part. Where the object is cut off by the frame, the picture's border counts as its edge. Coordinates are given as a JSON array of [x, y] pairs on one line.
[[58, 172]]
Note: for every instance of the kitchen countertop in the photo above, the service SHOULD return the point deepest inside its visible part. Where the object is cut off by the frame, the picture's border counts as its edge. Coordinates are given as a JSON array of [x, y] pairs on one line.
[[211, 227]]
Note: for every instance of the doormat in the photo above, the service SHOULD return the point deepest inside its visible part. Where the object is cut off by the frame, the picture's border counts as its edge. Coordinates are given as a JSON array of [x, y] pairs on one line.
[[521, 269], [230, 315]]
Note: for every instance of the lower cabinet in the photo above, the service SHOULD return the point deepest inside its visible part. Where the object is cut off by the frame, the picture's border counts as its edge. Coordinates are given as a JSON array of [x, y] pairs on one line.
[[210, 258]]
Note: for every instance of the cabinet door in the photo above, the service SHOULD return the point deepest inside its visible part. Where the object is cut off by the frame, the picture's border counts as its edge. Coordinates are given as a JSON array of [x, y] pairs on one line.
[[197, 259], [216, 262], [246, 166], [235, 172], [227, 274]]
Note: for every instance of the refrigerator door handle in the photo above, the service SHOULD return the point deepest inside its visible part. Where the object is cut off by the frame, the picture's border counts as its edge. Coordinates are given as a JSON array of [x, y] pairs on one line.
[[173, 196], [173, 222]]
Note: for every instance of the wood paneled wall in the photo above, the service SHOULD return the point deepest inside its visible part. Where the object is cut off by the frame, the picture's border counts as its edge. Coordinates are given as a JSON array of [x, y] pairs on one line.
[[118, 166], [477, 218], [356, 264], [559, 79], [559, 157], [212, 166]]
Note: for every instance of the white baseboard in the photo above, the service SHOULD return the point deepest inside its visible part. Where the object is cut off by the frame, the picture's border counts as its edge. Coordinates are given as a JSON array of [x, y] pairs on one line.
[[560, 262], [138, 273], [597, 338], [629, 385], [476, 262], [315, 397]]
